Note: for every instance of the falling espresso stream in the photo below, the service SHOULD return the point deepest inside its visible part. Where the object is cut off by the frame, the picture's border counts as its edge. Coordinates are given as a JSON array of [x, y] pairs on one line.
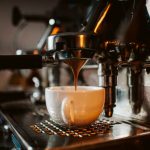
[[76, 64]]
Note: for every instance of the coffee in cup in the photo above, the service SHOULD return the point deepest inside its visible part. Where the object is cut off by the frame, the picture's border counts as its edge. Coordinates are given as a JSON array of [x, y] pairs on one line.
[[74, 108]]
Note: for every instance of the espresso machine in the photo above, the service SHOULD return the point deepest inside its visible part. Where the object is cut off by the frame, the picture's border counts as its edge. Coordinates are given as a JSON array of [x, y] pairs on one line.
[[116, 33]]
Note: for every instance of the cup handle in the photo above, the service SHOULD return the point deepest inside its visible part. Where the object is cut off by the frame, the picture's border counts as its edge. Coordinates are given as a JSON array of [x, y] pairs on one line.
[[67, 111]]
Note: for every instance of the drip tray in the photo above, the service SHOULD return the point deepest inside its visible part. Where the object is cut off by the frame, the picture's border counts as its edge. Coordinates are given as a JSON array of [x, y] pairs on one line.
[[31, 126], [49, 127]]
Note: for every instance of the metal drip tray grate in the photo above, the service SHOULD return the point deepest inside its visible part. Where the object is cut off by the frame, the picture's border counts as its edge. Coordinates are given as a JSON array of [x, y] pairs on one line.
[[49, 127]]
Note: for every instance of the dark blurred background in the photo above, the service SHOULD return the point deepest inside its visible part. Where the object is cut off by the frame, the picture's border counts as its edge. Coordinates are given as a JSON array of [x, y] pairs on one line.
[[28, 37], [16, 32]]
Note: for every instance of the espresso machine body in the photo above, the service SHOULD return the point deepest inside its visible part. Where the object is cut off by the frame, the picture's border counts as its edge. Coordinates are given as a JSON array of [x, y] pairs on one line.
[[124, 37], [118, 31]]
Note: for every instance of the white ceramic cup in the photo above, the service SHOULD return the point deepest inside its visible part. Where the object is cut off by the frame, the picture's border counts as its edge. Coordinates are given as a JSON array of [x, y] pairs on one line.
[[74, 108]]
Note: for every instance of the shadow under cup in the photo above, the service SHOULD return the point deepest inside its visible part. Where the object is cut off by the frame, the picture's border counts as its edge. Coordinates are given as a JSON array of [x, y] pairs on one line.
[[74, 108]]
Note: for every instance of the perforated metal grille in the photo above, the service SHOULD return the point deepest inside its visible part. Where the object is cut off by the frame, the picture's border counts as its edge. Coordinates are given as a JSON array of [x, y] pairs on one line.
[[49, 127]]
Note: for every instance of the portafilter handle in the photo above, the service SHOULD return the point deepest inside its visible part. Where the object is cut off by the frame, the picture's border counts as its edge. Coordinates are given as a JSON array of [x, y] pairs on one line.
[[25, 61]]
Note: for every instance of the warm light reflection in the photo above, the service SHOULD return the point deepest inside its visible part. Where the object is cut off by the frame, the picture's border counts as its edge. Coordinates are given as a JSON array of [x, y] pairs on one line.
[[35, 52], [148, 6], [55, 30], [102, 18], [81, 40]]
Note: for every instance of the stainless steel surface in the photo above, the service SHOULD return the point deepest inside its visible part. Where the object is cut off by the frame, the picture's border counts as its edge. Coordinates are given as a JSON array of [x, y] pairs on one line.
[[136, 104], [21, 116], [72, 45], [51, 128]]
